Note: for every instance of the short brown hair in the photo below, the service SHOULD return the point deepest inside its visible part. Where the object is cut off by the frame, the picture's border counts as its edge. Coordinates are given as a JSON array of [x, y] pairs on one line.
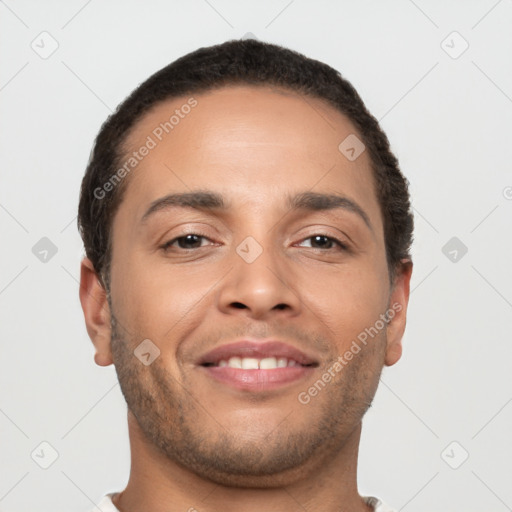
[[235, 62]]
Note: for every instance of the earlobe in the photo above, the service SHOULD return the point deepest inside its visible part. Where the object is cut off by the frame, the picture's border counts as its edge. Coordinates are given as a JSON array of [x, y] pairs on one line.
[[93, 298], [398, 302], [393, 353]]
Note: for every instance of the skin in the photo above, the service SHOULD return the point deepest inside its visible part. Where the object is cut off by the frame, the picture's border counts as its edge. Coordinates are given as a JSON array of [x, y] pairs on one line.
[[199, 444]]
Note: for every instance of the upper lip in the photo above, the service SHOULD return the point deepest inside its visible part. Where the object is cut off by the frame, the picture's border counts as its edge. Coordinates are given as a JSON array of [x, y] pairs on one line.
[[256, 349]]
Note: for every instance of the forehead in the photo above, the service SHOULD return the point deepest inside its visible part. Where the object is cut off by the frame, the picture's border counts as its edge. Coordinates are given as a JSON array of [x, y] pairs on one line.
[[250, 143]]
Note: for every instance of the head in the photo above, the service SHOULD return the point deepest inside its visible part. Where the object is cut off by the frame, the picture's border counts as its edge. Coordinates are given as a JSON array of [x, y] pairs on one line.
[[220, 204]]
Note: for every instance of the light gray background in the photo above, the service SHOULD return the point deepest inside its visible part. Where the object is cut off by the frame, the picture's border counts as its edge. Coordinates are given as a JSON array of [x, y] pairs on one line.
[[449, 122]]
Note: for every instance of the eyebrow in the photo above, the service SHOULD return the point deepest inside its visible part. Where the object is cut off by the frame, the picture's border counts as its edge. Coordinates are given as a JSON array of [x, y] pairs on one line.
[[315, 201], [198, 200], [208, 200]]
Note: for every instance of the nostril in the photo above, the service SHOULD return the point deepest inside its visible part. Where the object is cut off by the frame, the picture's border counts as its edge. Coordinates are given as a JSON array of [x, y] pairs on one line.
[[239, 305]]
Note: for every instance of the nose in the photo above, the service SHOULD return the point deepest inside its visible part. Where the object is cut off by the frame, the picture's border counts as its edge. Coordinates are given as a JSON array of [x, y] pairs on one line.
[[259, 288]]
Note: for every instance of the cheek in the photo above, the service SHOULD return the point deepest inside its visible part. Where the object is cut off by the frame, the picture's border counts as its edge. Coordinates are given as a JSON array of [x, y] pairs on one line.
[[348, 302], [155, 298]]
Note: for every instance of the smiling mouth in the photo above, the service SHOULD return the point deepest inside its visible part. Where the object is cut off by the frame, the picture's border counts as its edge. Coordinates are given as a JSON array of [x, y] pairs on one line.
[[253, 363], [252, 366]]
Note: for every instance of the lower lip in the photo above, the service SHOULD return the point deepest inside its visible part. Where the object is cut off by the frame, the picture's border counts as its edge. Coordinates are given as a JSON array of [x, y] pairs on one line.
[[258, 380]]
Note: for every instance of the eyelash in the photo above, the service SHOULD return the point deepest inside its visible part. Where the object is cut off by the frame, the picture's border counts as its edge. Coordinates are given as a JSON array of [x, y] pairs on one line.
[[341, 245]]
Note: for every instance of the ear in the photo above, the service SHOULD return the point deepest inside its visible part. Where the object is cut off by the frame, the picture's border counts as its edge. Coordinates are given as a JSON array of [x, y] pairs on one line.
[[397, 313], [93, 298]]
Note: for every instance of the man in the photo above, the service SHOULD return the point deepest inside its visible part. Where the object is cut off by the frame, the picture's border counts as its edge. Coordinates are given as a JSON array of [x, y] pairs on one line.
[[247, 232]]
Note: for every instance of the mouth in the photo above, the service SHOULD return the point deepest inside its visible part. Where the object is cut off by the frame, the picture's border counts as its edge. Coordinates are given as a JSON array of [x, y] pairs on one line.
[[254, 363], [254, 366]]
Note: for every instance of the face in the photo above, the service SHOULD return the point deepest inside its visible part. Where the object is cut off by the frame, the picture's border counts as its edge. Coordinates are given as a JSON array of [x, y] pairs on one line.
[[254, 293]]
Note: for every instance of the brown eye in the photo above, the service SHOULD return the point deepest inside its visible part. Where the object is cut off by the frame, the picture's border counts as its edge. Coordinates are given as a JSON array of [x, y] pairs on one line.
[[325, 242], [322, 242], [189, 241]]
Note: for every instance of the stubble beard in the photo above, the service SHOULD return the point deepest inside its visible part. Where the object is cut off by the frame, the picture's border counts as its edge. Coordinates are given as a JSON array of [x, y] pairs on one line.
[[173, 420]]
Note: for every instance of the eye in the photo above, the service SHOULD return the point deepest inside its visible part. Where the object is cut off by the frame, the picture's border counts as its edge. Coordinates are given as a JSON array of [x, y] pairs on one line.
[[192, 241], [320, 241], [188, 241]]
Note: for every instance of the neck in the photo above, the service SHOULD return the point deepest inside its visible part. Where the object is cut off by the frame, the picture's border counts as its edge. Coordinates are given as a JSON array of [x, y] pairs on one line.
[[160, 485]]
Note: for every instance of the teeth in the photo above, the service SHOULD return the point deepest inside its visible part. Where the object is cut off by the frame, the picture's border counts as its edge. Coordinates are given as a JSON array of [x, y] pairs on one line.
[[235, 362], [249, 363], [252, 363], [269, 363]]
